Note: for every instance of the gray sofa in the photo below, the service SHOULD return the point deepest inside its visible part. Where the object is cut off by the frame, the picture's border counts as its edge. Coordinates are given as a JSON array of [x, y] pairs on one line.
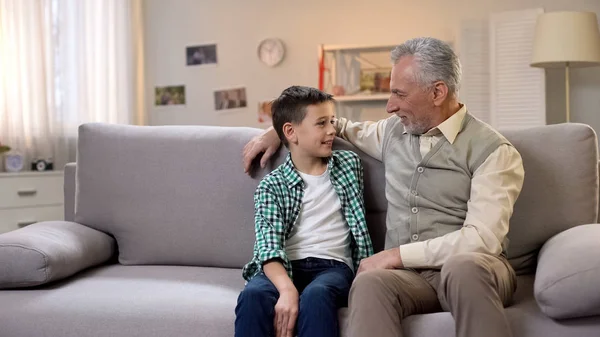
[[159, 221]]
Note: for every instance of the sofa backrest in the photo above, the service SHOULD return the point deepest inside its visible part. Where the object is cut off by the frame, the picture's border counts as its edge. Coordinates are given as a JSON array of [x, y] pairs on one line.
[[560, 190], [173, 195], [178, 194]]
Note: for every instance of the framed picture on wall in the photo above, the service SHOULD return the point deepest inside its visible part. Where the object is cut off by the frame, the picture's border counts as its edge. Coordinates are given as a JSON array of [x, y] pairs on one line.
[[171, 95], [204, 54], [230, 99], [265, 114]]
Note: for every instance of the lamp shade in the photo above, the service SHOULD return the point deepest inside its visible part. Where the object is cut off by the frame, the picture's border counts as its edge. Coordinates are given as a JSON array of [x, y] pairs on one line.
[[562, 37]]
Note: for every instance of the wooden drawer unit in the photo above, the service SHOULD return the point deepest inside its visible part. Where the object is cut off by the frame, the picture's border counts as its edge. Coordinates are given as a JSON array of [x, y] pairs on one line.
[[15, 218], [30, 189], [28, 197]]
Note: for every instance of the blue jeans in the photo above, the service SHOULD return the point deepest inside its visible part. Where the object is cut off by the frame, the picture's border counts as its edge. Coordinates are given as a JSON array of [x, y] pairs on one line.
[[323, 286]]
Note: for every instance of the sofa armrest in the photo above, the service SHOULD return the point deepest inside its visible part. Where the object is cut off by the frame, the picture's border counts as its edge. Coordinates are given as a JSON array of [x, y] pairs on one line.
[[568, 273], [50, 251], [69, 191]]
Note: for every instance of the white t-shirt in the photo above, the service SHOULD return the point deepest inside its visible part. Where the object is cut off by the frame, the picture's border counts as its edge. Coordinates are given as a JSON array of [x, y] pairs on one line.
[[320, 230]]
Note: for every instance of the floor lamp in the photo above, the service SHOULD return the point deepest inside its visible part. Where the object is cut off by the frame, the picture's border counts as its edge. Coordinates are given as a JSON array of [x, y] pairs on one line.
[[566, 39]]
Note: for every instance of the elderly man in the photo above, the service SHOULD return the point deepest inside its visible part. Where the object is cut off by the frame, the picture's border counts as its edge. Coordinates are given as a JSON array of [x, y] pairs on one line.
[[451, 183]]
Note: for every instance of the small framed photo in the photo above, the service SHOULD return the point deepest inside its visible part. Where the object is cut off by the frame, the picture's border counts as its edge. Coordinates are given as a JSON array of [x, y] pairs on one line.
[[265, 115], [172, 95], [205, 54], [230, 99], [375, 80]]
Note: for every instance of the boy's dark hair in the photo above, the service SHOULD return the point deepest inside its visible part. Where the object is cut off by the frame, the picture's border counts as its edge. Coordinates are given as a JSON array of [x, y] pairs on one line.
[[290, 106]]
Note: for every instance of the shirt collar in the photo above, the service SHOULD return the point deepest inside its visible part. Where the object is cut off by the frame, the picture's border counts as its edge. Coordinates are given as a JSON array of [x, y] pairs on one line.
[[290, 174], [450, 127]]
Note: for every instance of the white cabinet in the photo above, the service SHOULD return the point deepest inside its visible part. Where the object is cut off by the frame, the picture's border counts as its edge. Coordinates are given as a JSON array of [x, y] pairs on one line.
[[29, 197]]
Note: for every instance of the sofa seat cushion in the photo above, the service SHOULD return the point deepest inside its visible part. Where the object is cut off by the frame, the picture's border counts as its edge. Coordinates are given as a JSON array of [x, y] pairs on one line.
[[128, 301], [568, 273], [149, 301], [524, 315]]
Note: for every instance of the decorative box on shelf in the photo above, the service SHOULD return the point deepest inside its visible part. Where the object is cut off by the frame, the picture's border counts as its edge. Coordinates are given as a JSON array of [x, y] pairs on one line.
[[29, 197]]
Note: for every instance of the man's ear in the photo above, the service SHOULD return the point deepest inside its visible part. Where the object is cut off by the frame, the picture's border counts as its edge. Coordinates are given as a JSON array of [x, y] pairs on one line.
[[439, 92], [290, 133]]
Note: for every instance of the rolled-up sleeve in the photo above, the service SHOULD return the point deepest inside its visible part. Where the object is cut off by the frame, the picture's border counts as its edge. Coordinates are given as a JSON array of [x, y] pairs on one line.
[[366, 136]]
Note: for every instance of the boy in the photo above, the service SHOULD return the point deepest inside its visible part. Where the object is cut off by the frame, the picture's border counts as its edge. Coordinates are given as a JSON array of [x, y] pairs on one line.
[[310, 227]]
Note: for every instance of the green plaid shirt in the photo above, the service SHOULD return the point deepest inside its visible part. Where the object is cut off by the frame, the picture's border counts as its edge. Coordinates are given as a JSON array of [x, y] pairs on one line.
[[278, 201]]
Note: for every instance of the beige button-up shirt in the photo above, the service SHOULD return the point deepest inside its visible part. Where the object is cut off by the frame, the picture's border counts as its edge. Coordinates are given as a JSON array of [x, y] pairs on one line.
[[495, 187]]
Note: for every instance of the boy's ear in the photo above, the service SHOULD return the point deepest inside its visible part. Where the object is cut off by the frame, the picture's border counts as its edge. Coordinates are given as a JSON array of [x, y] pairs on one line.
[[290, 133]]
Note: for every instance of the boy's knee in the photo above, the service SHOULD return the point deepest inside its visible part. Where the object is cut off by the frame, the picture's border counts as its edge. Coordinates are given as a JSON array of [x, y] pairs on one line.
[[255, 296], [317, 293], [254, 293]]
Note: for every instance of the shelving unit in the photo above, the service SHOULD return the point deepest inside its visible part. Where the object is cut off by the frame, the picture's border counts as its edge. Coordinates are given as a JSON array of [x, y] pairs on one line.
[[363, 98], [363, 73]]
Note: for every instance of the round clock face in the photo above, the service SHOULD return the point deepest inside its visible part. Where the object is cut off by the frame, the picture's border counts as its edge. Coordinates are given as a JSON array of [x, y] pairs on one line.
[[13, 162], [271, 52]]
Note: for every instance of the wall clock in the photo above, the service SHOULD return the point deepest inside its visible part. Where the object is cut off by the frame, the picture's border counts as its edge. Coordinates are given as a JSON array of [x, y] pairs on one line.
[[271, 51]]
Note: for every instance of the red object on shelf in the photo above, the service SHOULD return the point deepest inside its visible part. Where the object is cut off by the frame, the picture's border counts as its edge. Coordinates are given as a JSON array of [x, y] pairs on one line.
[[321, 68]]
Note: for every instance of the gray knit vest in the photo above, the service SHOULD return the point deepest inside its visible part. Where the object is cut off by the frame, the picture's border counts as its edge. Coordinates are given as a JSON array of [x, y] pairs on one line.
[[427, 197]]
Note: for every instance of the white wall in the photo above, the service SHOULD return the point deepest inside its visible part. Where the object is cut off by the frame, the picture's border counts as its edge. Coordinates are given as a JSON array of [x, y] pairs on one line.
[[237, 26]]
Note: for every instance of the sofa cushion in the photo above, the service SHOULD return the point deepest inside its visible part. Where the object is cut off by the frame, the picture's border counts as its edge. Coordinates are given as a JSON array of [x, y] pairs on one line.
[[148, 301], [178, 195], [560, 190], [375, 199], [127, 301], [568, 273], [50, 251], [170, 195], [523, 315]]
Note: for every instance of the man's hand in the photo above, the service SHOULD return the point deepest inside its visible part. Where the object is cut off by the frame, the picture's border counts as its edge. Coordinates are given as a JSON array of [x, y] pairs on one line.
[[268, 142], [387, 259], [286, 313]]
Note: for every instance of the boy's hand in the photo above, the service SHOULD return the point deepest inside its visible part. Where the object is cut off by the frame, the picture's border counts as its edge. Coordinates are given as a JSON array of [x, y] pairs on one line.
[[286, 313], [286, 308], [268, 142]]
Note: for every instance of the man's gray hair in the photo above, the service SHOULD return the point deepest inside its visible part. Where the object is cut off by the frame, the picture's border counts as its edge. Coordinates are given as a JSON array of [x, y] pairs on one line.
[[436, 62]]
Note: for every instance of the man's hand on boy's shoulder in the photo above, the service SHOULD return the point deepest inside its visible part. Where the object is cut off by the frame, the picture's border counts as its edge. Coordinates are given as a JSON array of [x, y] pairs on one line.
[[286, 313], [267, 142]]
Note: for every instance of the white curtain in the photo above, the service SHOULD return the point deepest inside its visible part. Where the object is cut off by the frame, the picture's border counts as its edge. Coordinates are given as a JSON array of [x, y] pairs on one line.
[[64, 63]]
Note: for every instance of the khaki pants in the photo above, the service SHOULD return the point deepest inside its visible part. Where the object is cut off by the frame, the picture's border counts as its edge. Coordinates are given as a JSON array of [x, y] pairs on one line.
[[473, 287]]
